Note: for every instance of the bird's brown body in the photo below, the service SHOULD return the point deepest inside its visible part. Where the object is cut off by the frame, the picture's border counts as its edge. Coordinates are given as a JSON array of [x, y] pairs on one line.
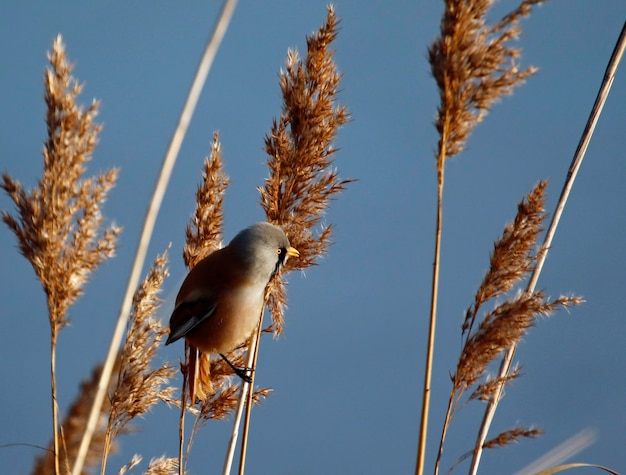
[[220, 302], [234, 310]]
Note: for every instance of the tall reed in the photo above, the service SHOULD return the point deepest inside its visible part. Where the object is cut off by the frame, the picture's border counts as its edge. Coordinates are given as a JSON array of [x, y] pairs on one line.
[[473, 65], [208, 384], [577, 159], [59, 224], [512, 259], [154, 205], [138, 386], [302, 180], [300, 152]]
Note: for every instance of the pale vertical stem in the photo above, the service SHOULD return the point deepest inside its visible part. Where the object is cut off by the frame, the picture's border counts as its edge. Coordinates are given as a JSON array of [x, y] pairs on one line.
[[181, 421], [246, 423], [603, 93], [430, 348], [230, 453], [245, 388], [149, 221]]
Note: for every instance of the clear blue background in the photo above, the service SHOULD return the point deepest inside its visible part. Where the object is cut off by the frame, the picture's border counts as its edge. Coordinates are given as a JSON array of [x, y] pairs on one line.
[[348, 373]]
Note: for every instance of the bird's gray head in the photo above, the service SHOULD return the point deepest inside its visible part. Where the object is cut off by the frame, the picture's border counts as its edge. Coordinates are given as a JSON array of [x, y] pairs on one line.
[[264, 247]]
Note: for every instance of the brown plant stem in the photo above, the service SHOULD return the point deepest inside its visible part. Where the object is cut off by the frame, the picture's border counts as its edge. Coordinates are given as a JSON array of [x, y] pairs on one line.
[[243, 396], [150, 219], [181, 420], [53, 389], [505, 366], [430, 347], [446, 424], [246, 421]]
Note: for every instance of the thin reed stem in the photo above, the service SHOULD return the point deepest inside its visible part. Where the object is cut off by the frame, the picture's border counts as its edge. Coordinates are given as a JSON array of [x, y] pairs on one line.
[[246, 422], [55, 412], [444, 431], [181, 422], [245, 389], [430, 347], [505, 366], [149, 221]]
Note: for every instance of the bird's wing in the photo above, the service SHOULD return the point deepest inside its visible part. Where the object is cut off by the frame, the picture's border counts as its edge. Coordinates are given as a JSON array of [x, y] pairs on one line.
[[187, 316]]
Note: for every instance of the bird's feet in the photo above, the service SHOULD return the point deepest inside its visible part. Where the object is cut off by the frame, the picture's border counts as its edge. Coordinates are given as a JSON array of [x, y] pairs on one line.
[[241, 371]]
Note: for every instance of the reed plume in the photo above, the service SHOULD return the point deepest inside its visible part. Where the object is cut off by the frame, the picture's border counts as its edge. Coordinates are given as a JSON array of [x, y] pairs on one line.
[[473, 65], [504, 438], [58, 225], [511, 261], [203, 236], [134, 461], [163, 466], [204, 232], [505, 365], [207, 381], [302, 179], [138, 386], [157, 466], [206, 378]]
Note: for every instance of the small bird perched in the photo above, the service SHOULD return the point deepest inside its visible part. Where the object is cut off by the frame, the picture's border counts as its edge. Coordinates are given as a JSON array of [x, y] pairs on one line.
[[220, 301]]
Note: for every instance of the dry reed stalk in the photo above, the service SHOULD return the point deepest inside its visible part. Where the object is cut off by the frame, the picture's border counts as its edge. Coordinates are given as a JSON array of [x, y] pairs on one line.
[[511, 261], [163, 466], [133, 463], [204, 232], [585, 138], [204, 235], [138, 386], [473, 66], [73, 428], [206, 61], [207, 380], [58, 224], [302, 179], [502, 439]]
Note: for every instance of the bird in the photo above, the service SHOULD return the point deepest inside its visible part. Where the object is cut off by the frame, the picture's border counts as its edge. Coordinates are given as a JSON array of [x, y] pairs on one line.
[[220, 301]]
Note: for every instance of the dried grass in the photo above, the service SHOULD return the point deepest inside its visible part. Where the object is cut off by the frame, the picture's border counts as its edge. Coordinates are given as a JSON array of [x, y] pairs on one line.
[[302, 179], [58, 225], [139, 387], [207, 382], [511, 261], [169, 160], [204, 233], [504, 438], [507, 359], [134, 461], [206, 378], [474, 65], [163, 466], [512, 256]]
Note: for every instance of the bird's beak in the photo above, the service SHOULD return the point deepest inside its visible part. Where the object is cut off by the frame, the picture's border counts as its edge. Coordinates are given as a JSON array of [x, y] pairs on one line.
[[293, 252]]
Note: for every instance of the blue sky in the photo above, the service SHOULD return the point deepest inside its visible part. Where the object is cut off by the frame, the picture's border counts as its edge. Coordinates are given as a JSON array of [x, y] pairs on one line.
[[347, 374]]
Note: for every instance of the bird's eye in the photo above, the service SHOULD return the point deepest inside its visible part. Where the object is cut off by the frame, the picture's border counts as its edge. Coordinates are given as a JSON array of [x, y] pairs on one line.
[[279, 251]]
